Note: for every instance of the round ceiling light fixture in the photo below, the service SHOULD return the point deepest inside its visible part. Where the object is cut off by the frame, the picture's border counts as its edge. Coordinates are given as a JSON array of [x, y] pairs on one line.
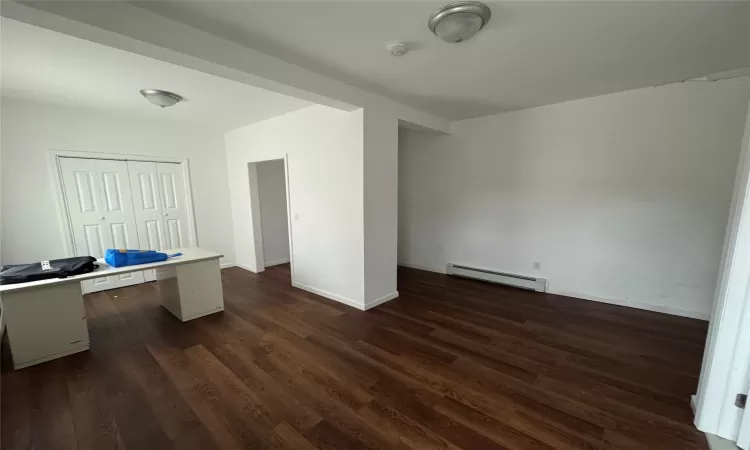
[[162, 99], [460, 21]]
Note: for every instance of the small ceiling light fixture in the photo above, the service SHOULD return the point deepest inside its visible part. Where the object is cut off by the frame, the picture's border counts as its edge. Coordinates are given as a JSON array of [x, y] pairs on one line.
[[161, 99], [460, 21]]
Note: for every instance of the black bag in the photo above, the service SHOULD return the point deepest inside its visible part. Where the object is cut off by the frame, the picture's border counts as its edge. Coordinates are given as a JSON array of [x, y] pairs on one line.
[[57, 268]]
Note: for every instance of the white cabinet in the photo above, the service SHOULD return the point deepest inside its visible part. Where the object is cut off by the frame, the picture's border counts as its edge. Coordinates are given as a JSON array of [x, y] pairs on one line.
[[124, 204]]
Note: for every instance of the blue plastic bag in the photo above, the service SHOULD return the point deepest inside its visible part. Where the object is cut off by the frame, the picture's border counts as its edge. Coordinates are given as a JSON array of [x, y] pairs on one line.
[[120, 257]]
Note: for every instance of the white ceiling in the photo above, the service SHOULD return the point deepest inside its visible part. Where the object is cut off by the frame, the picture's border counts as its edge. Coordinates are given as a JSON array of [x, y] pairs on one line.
[[532, 53], [42, 65]]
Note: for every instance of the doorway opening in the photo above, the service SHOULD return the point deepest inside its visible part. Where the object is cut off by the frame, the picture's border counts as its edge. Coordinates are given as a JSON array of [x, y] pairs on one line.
[[273, 217]]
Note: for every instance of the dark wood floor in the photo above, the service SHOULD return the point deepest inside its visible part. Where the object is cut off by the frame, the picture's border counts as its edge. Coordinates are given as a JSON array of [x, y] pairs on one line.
[[450, 364]]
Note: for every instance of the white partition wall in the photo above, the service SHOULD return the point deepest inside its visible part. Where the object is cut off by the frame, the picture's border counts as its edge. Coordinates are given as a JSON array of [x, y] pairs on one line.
[[341, 169]]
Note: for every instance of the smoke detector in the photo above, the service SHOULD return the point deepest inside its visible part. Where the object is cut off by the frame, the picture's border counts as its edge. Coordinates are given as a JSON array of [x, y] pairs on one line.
[[397, 48]]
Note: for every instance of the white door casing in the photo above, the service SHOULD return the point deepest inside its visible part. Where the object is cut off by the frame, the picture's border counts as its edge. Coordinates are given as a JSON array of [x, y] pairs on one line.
[[100, 212], [743, 439], [726, 360]]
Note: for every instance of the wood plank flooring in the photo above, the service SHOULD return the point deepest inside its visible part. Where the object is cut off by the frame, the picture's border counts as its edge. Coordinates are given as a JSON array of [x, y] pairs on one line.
[[450, 364]]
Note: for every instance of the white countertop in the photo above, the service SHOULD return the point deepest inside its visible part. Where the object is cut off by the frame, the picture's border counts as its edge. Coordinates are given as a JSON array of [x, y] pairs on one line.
[[189, 255]]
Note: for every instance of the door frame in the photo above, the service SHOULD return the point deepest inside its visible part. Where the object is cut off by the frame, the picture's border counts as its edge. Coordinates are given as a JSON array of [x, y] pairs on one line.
[[257, 229], [725, 371], [61, 203]]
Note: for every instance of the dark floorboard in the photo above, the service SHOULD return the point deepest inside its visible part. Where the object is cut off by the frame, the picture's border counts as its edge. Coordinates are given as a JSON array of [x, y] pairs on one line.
[[450, 364]]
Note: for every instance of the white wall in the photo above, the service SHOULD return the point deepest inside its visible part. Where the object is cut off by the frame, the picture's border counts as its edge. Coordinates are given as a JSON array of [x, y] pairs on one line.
[[380, 204], [324, 148], [30, 222], [621, 198], [273, 217]]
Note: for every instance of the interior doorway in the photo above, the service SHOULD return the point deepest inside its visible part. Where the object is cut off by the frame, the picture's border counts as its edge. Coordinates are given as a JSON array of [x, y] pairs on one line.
[[273, 214], [272, 227]]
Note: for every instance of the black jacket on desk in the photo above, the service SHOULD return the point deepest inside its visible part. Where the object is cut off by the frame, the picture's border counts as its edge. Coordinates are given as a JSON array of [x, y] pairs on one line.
[[56, 268]]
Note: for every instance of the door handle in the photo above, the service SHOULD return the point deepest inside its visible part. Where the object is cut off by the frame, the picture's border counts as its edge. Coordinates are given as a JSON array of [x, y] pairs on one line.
[[166, 214], [101, 218]]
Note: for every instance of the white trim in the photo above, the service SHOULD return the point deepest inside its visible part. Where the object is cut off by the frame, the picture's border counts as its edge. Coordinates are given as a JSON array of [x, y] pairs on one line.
[[717, 443], [61, 204], [381, 300], [714, 442], [425, 268], [116, 156], [634, 304], [255, 214], [245, 267], [277, 262], [724, 372], [289, 215], [227, 265], [329, 295], [253, 190]]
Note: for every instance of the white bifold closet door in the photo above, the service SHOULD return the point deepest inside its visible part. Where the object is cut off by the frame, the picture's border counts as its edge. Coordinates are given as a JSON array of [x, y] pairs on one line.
[[100, 209], [160, 204]]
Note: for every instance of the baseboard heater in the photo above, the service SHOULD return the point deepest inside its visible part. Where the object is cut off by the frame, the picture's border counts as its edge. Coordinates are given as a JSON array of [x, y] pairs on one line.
[[531, 283]]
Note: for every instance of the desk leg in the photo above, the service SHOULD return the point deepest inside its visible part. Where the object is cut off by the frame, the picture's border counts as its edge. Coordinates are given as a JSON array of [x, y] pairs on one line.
[[45, 323], [191, 290]]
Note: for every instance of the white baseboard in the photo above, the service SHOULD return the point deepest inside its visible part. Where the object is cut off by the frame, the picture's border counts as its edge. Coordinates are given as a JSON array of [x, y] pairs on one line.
[[714, 442], [634, 304], [246, 267], [276, 263], [381, 300], [717, 443], [226, 265], [425, 268], [329, 295]]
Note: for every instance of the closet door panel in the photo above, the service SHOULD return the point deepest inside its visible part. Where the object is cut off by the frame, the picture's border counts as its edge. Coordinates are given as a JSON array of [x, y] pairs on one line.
[[83, 198], [100, 212], [174, 205], [117, 203], [147, 205]]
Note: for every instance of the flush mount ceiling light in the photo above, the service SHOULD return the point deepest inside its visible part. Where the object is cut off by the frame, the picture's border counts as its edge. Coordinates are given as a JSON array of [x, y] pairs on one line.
[[460, 21], [161, 99]]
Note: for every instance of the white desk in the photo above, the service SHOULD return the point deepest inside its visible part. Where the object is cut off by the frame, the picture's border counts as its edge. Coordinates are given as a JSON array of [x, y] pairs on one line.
[[46, 319]]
